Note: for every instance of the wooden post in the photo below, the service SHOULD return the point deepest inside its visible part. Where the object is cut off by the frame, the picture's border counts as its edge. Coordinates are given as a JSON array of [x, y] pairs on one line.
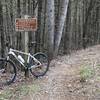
[[26, 49], [26, 38], [26, 24]]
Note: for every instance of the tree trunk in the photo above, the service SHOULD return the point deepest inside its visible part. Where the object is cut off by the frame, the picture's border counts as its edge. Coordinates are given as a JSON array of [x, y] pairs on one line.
[[87, 14], [60, 26], [50, 21], [38, 33], [2, 36]]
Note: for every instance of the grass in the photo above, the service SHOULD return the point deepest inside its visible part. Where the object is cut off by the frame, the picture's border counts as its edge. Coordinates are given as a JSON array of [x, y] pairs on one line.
[[6, 95], [86, 72], [18, 92]]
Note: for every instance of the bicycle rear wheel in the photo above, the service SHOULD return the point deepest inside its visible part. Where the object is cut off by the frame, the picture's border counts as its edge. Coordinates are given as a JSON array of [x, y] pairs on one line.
[[39, 70], [7, 72]]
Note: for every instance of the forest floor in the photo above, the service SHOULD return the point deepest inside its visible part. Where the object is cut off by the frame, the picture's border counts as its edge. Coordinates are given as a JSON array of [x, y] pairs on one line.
[[70, 77]]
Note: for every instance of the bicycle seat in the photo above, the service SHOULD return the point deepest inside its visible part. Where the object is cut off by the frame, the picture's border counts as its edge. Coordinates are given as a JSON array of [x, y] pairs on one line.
[[31, 43], [34, 43]]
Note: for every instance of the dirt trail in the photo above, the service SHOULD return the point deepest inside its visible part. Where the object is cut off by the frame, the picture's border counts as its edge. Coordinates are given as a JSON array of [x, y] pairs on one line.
[[62, 82]]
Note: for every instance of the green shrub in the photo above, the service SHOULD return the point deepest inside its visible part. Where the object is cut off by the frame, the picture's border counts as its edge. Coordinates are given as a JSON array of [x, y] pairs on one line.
[[86, 72]]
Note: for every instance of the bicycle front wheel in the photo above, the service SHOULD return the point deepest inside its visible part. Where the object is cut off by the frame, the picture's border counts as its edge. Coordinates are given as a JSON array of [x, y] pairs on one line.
[[7, 72], [41, 69]]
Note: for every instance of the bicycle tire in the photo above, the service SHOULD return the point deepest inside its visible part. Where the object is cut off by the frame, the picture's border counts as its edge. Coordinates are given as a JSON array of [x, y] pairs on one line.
[[36, 72], [7, 72]]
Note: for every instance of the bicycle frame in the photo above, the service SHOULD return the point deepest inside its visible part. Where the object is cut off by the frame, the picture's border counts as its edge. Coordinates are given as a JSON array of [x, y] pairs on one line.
[[13, 51]]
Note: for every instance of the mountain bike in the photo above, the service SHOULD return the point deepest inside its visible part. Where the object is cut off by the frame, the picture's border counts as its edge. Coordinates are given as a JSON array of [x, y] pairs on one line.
[[36, 63]]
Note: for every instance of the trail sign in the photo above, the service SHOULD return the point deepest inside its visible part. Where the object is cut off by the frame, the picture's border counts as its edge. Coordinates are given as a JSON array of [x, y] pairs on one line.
[[22, 24]]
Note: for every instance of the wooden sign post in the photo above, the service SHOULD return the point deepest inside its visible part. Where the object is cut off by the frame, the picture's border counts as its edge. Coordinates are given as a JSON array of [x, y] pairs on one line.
[[26, 38], [26, 24], [26, 48]]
